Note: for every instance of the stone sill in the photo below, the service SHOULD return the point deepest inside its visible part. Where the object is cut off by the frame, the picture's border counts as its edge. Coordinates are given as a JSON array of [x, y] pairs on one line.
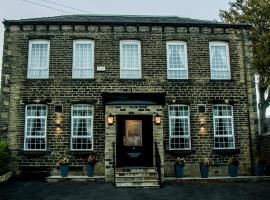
[[34, 153], [226, 151], [180, 152]]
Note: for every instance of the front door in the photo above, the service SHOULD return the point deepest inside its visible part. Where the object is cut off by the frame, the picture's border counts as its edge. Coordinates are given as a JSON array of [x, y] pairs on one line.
[[134, 140]]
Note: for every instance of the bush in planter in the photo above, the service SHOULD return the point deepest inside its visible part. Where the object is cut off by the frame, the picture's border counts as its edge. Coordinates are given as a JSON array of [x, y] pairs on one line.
[[260, 166], [233, 167], [4, 157], [64, 163], [90, 167], [179, 167], [204, 167]]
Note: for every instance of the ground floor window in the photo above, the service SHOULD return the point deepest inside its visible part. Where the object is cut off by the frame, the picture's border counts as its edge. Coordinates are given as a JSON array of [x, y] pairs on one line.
[[223, 127], [179, 125], [35, 127], [82, 127]]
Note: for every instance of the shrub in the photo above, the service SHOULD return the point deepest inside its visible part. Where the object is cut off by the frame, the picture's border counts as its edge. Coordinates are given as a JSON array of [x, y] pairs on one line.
[[4, 156]]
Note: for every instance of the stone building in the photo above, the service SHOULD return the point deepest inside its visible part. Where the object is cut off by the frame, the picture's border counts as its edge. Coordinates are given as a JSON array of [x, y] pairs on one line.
[[173, 87]]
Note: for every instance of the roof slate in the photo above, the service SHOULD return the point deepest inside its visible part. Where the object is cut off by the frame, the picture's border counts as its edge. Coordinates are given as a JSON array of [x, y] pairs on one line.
[[119, 19]]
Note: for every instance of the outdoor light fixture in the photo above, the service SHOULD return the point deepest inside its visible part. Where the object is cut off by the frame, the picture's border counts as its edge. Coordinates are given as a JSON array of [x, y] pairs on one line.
[[58, 120], [157, 118], [110, 119], [58, 130], [202, 122]]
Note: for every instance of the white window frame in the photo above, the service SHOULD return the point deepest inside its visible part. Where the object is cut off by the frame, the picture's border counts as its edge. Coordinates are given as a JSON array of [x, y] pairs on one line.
[[25, 127], [168, 43], [39, 41], [226, 117], [92, 123], [220, 43], [74, 67], [139, 68], [170, 127]]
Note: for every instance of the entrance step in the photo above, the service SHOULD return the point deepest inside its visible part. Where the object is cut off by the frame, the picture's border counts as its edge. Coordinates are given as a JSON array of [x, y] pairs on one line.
[[136, 177]]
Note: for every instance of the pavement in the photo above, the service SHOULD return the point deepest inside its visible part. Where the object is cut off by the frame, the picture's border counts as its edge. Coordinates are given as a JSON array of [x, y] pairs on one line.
[[37, 190]]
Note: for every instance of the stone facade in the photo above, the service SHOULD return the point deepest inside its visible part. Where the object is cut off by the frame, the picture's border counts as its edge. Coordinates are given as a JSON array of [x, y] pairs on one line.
[[61, 89]]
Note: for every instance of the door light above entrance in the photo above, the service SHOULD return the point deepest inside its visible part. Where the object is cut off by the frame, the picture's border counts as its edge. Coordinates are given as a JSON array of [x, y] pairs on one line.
[[110, 119], [157, 119]]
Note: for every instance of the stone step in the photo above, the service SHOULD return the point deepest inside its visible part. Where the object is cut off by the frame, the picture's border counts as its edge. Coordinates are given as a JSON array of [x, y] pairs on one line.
[[137, 184], [136, 170], [132, 179], [135, 174], [136, 177]]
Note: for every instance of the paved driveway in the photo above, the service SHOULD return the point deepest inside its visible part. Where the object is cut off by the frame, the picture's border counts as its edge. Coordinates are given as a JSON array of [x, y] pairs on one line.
[[99, 190]]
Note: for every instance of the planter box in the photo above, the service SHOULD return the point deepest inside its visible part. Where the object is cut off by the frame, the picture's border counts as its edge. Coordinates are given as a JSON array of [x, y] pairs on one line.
[[204, 171], [233, 170], [179, 171], [64, 170], [259, 169], [90, 170]]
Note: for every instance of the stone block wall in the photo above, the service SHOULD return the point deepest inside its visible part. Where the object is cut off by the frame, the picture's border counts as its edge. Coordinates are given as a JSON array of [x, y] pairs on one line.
[[61, 89]]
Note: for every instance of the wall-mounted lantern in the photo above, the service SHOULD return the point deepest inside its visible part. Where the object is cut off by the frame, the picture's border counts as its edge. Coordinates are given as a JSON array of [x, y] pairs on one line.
[[202, 122], [110, 119], [157, 119], [58, 120]]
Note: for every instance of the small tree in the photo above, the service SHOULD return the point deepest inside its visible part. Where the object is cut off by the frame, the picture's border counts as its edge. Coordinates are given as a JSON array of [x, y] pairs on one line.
[[257, 14], [4, 156]]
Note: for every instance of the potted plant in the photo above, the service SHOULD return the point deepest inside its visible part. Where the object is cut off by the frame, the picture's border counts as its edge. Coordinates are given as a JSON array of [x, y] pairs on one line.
[[233, 167], [90, 167], [260, 166], [204, 167], [179, 167], [64, 163]]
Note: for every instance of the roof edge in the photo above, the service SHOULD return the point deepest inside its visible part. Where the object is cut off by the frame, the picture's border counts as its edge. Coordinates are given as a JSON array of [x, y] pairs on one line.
[[199, 24]]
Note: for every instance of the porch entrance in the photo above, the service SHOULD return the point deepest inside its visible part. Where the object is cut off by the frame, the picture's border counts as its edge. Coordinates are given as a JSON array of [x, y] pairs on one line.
[[134, 142]]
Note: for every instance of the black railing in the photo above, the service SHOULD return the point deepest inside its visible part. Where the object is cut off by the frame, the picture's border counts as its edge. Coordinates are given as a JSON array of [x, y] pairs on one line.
[[114, 164], [158, 163]]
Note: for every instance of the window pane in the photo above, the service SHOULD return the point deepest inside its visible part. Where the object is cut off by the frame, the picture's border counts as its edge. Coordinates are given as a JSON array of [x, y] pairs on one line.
[[38, 60], [220, 68], [35, 127], [130, 60], [223, 123], [83, 60], [177, 63], [179, 127], [82, 116]]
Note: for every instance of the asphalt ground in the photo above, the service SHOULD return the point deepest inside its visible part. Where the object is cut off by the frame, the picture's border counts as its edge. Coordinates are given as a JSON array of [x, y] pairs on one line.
[[36, 190]]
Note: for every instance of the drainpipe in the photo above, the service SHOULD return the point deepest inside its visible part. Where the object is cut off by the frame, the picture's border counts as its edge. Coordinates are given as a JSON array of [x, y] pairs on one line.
[[245, 73]]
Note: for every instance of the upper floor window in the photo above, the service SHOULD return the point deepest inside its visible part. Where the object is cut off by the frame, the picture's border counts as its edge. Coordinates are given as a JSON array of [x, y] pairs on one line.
[[223, 127], [83, 59], [130, 59], [35, 127], [179, 124], [177, 62], [219, 60], [38, 59], [82, 127]]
